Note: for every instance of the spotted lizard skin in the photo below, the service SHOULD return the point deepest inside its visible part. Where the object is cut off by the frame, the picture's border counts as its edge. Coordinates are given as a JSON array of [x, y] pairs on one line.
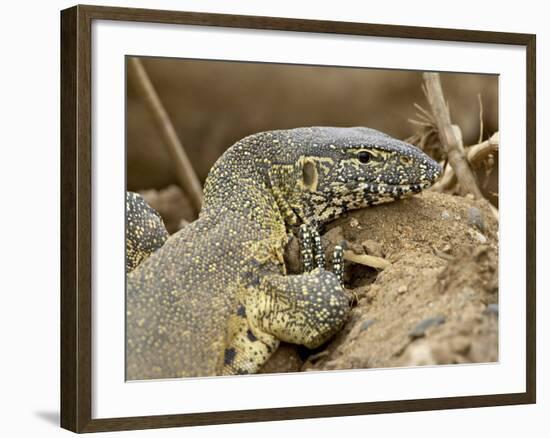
[[215, 298]]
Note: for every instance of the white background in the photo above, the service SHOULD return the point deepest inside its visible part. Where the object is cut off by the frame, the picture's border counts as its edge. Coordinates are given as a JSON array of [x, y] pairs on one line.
[[29, 138]]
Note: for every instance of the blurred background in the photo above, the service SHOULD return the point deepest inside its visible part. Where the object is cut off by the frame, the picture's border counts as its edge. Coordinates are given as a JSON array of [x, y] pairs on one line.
[[212, 104]]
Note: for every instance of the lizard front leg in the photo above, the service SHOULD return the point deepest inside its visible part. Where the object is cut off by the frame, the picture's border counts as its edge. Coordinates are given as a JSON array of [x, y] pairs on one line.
[[305, 309]]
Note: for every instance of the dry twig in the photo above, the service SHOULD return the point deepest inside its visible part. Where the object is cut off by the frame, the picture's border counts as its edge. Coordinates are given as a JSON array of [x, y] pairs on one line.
[[185, 173], [480, 139], [475, 155], [367, 260], [479, 152], [449, 135]]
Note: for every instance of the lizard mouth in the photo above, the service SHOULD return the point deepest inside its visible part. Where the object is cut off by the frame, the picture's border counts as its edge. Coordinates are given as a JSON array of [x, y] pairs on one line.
[[392, 190]]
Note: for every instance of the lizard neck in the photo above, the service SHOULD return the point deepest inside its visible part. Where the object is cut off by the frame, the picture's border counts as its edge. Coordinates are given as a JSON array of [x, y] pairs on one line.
[[241, 190], [253, 179], [283, 200]]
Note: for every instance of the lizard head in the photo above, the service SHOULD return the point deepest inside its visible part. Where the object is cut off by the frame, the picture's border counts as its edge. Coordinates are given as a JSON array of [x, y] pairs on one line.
[[340, 169]]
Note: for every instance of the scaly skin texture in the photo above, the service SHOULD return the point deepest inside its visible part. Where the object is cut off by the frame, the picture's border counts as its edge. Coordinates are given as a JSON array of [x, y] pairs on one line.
[[145, 230], [215, 299]]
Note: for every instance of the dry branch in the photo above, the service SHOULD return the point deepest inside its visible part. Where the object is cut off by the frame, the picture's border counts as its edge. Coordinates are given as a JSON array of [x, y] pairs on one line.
[[448, 134], [185, 173], [367, 260], [447, 181], [480, 102], [479, 152], [475, 155]]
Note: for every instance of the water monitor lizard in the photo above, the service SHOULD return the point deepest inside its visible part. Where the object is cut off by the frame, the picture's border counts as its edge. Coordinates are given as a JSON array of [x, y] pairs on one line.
[[215, 298]]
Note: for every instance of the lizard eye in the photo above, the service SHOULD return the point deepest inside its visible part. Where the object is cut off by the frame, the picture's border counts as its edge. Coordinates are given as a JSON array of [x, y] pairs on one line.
[[364, 157]]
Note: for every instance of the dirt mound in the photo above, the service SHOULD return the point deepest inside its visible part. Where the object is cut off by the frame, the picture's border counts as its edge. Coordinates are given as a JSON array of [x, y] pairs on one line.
[[436, 302]]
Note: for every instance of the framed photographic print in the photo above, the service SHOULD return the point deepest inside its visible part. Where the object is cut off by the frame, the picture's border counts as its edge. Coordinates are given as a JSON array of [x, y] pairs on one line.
[[268, 218]]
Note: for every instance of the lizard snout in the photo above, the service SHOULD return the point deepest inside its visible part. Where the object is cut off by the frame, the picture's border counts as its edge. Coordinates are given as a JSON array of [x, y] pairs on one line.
[[434, 170]]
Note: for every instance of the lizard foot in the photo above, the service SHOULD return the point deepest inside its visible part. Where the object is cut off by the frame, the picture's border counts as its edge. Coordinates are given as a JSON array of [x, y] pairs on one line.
[[304, 309]]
